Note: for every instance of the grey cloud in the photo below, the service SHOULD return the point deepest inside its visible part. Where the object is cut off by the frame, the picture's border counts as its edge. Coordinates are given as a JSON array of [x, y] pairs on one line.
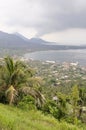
[[63, 15], [46, 16]]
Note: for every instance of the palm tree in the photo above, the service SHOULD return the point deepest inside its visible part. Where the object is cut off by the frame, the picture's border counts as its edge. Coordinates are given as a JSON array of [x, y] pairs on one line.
[[36, 94], [15, 76]]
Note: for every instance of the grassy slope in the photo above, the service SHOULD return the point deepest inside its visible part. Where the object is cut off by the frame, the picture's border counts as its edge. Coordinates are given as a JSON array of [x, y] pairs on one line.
[[15, 119]]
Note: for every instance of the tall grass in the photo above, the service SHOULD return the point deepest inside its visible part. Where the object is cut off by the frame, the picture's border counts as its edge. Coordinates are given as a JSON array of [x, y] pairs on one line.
[[12, 118]]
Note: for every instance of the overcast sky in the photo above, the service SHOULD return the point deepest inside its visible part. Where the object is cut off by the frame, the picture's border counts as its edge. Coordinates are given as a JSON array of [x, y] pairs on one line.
[[61, 21]]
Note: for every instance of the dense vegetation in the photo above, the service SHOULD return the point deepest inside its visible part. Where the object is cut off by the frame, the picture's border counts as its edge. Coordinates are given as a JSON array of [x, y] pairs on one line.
[[24, 89]]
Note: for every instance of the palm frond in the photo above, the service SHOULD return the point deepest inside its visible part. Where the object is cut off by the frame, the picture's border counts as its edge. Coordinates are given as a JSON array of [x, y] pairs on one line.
[[9, 64], [39, 98], [11, 94]]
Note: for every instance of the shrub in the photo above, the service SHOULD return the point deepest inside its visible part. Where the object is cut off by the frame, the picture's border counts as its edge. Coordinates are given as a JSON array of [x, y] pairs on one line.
[[27, 103]]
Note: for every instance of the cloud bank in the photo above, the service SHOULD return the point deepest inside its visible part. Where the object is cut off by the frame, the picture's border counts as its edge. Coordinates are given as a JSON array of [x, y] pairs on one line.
[[43, 16]]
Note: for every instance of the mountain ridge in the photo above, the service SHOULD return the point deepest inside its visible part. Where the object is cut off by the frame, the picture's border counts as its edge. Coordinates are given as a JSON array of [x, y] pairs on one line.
[[17, 40]]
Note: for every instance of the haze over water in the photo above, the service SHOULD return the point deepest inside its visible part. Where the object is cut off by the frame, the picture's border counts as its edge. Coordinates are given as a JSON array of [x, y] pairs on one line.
[[59, 56]]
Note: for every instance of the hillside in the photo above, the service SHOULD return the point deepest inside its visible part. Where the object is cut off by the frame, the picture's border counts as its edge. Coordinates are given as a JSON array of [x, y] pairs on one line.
[[15, 119], [16, 40]]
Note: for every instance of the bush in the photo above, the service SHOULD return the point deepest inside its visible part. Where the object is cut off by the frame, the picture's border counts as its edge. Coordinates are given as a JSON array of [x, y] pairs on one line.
[[27, 103], [51, 107]]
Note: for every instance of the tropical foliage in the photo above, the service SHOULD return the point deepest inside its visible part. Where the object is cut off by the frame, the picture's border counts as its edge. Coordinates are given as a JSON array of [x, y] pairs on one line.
[[21, 87], [16, 80]]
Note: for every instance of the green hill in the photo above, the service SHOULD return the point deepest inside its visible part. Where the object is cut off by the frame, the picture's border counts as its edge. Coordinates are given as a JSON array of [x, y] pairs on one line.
[[12, 118]]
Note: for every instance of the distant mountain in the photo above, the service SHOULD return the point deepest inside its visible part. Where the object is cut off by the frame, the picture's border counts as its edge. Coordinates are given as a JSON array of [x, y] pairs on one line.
[[11, 40], [32, 40], [37, 41], [21, 36], [17, 40]]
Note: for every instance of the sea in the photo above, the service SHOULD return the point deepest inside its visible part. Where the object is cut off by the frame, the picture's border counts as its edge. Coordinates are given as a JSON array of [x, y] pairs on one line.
[[59, 56]]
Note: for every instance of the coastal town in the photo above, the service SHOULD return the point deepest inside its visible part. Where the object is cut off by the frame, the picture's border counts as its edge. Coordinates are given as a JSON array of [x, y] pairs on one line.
[[58, 74], [55, 73]]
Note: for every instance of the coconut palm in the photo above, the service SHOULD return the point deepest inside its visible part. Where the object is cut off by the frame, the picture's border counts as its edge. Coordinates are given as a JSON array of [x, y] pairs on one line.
[[15, 76], [36, 94], [12, 76], [34, 90]]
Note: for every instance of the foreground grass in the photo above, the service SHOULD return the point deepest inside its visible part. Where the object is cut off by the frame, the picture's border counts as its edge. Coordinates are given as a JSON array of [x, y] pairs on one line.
[[12, 118]]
